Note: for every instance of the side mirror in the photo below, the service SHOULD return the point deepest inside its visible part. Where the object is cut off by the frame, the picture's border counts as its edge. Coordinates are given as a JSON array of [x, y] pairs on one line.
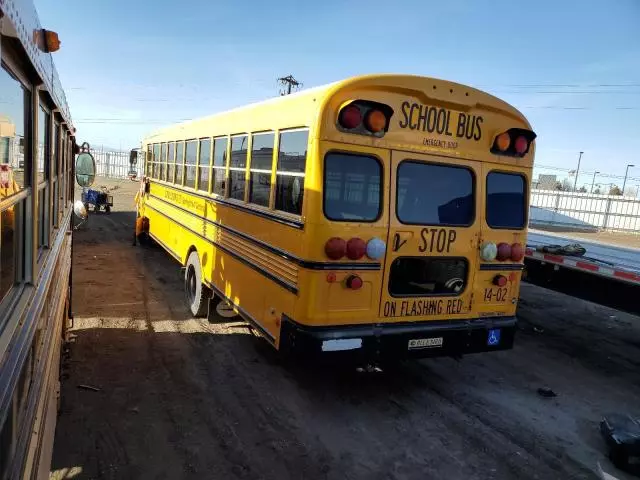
[[85, 169], [133, 157]]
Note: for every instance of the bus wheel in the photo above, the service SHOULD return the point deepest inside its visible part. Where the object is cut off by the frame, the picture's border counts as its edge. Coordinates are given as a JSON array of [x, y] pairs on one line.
[[197, 294]]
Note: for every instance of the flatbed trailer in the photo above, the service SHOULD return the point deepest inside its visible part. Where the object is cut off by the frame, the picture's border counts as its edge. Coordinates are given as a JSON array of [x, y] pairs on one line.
[[606, 274]]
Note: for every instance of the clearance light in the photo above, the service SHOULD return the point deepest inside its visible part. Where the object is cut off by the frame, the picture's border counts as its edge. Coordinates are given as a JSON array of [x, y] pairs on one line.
[[517, 252], [350, 117], [500, 280], [335, 248], [354, 282], [356, 248], [375, 121], [47, 41], [375, 248], [504, 252], [488, 251]]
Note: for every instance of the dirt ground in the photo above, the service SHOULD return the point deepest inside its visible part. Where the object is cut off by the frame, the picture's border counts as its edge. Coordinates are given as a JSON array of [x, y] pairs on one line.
[[179, 398]]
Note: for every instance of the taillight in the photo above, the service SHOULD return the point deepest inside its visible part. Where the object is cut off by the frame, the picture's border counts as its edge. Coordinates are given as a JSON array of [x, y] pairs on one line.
[[517, 252], [354, 282], [350, 117], [375, 121], [504, 252], [356, 248], [375, 248], [500, 280], [335, 248], [515, 142], [488, 251]]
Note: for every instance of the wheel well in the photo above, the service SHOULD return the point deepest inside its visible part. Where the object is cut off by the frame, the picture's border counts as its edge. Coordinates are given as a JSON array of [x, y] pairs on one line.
[[192, 248]]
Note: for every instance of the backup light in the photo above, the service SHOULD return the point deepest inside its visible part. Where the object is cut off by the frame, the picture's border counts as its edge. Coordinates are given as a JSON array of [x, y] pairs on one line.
[[488, 251], [375, 248]]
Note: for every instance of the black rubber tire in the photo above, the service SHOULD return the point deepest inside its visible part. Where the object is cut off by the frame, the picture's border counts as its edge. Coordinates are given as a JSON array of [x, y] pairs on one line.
[[196, 293], [107, 209]]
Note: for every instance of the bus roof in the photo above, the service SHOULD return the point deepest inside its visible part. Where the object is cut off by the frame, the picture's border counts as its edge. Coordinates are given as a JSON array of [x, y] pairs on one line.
[[302, 108]]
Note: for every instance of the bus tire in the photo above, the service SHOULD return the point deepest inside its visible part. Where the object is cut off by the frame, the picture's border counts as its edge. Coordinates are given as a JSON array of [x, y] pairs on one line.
[[197, 294]]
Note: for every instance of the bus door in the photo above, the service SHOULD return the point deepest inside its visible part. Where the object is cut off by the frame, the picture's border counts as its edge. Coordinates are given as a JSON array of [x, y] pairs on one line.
[[432, 243]]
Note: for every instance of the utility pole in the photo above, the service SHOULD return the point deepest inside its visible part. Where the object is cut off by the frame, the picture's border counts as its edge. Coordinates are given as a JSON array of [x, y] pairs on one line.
[[594, 180], [577, 172], [624, 184], [290, 82]]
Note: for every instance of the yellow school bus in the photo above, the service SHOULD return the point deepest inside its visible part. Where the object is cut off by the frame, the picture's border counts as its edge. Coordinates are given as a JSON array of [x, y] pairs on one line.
[[383, 215]]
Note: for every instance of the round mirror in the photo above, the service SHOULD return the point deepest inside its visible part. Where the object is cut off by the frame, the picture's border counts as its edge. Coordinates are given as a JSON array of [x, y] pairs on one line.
[[85, 169], [80, 210]]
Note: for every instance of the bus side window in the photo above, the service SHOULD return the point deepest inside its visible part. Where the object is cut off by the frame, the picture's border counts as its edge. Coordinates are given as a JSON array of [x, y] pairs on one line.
[[237, 167], [219, 165], [171, 162], [260, 168], [292, 159]]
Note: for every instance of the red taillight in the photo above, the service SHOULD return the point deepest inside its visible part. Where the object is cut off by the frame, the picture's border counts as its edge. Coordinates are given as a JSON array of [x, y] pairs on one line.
[[354, 282], [517, 252], [500, 280], [350, 117], [335, 248], [356, 248], [521, 145], [504, 252]]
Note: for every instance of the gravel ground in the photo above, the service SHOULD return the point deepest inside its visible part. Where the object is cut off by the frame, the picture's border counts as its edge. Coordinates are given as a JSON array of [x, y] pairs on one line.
[[181, 398]]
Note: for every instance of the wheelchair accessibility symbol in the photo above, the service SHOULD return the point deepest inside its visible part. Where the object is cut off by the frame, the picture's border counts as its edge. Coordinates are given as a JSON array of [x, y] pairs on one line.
[[493, 338]]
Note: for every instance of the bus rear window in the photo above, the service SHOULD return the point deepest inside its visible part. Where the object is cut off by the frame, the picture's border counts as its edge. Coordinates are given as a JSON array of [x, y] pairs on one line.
[[431, 194], [352, 187], [506, 205]]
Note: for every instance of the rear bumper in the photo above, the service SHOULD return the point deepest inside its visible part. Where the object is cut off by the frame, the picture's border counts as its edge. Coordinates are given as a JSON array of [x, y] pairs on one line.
[[391, 341]]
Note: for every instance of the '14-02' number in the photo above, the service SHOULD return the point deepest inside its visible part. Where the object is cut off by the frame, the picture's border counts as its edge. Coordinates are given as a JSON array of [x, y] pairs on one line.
[[495, 294]]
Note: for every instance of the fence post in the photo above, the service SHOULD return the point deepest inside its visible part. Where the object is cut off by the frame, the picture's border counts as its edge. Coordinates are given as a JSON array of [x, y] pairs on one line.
[[607, 211]]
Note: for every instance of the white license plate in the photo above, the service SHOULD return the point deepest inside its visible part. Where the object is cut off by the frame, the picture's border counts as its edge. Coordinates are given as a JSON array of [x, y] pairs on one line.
[[425, 342]]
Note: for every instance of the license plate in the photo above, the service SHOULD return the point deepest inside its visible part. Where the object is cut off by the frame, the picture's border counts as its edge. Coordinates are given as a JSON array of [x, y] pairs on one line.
[[425, 342]]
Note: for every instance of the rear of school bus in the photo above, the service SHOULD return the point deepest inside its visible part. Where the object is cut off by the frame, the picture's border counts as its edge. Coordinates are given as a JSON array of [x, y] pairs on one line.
[[416, 204]]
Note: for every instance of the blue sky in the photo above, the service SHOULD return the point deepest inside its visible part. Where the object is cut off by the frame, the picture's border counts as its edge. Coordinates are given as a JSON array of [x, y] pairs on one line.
[[572, 67]]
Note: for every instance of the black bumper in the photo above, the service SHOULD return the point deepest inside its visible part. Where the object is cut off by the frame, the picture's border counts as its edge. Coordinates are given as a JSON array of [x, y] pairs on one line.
[[391, 341]]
